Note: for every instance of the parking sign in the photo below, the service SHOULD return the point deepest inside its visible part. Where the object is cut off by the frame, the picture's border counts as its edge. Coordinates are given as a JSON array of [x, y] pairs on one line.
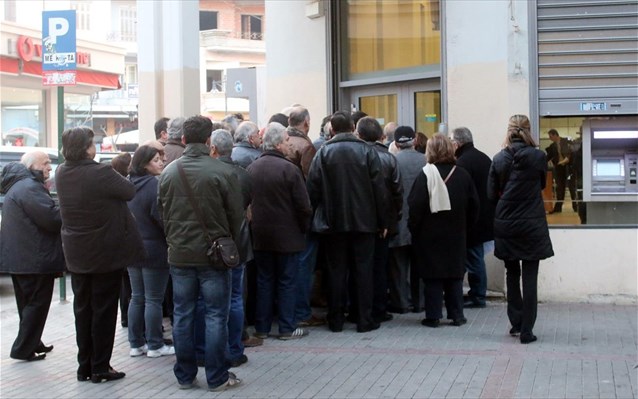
[[58, 47]]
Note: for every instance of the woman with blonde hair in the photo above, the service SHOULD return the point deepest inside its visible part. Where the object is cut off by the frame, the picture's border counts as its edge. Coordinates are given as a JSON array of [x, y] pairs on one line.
[[515, 182], [443, 203]]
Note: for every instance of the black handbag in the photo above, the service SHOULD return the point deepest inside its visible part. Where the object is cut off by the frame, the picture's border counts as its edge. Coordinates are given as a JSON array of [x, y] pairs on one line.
[[222, 252]]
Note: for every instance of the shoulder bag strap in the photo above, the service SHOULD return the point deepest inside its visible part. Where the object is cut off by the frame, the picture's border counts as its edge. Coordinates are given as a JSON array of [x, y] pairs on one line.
[[191, 199], [449, 174]]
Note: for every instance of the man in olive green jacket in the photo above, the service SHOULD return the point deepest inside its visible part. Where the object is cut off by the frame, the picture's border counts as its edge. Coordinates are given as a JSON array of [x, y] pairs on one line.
[[217, 194]]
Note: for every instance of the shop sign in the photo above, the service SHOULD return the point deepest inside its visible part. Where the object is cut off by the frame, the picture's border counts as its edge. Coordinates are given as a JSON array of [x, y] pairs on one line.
[[59, 48], [27, 49]]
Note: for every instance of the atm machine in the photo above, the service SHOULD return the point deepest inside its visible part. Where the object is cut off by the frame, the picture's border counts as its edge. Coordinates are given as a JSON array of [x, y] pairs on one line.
[[610, 170]]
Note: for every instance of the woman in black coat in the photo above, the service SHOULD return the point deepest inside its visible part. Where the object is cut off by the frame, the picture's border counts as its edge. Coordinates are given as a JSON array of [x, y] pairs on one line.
[[100, 238], [521, 237], [30, 248], [149, 277], [443, 204]]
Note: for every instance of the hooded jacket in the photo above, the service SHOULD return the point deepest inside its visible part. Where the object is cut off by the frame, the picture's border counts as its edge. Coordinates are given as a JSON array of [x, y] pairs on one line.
[[30, 232]]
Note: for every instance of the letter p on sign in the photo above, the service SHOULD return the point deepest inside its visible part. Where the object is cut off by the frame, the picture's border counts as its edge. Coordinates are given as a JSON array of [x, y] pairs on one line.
[[58, 27]]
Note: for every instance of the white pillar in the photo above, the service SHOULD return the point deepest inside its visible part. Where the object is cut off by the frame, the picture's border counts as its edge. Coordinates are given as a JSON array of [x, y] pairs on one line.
[[168, 61]]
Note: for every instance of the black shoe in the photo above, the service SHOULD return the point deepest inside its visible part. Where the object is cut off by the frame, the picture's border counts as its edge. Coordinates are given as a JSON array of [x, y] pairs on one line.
[[83, 377], [124, 323], [35, 357], [239, 361], [384, 317], [515, 331], [470, 304], [335, 326], [527, 338], [110, 375], [42, 348], [392, 309], [369, 327], [459, 322], [434, 323], [200, 363]]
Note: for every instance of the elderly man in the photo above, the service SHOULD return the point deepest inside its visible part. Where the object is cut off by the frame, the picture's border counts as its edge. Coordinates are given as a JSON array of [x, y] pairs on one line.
[[280, 219], [247, 143], [174, 146], [348, 193], [30, 248], [478, 166], [217, 193], [160, 128], [404, 280], [301, 149]]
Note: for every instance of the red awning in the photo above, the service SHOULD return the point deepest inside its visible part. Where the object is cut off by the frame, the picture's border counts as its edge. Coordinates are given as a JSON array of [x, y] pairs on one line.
[[91, 78]]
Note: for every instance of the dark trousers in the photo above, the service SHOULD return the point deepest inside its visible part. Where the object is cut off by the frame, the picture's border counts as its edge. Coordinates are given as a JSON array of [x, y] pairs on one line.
[[33, 294], [95, 309], [521, 309], [353, 254], [436, 290], [560, 177], [125, 297], [380, 277]]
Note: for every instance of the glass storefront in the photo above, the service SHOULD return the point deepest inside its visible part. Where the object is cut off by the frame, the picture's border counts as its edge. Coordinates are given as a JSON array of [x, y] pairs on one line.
[[23, 117], [389, 37]]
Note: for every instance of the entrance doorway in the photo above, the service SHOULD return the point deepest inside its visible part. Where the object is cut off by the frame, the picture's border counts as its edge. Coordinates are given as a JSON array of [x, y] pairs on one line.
[[414, 104]]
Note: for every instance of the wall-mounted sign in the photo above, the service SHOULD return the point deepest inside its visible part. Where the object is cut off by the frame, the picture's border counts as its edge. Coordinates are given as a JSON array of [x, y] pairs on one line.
[[59, 48], [27, 49], [593, 106], [430, 117], [238, 86]]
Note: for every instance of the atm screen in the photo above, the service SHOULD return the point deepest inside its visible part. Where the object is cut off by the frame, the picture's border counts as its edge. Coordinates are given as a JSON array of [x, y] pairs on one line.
[[609, 167]]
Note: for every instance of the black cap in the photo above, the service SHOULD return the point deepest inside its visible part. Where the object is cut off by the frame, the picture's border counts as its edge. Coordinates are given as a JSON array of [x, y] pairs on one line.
[[403, 134]]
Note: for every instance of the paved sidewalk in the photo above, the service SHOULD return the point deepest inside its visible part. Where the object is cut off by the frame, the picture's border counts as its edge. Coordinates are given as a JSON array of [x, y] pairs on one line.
[[584, 350]]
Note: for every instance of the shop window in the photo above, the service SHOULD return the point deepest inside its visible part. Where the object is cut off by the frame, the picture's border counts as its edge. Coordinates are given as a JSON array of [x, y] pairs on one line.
[[251, 27], [207, 20], [23, 117], [128, 24], [389, 37]]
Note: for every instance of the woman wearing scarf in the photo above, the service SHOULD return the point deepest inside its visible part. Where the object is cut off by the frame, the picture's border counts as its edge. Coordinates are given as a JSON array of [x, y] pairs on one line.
[[443, 203]]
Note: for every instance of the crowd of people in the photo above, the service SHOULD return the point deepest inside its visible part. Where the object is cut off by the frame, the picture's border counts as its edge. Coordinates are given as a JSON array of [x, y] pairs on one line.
[[360, 218]]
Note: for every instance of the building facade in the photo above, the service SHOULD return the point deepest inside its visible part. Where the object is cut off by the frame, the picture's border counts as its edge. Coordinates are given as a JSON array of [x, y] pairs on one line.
[[436, 65]]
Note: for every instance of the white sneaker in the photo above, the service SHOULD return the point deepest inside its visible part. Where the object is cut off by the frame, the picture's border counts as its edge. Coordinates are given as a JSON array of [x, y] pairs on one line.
[[135, 352], [163, 351]]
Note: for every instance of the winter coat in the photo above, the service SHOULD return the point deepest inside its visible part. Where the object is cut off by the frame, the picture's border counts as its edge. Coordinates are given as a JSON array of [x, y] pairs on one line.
[[411, 163], [392, 178], [477, 164], [244, 154], [439, 239], [149, 223], [218, 195], [99, 233], [301, 149], [516, 181], [280, 209], [346, 187], [30, 232], [173, 150], [245, 246]]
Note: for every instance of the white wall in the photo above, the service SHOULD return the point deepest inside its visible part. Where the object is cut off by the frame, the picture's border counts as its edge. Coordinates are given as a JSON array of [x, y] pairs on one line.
[[296, 62]]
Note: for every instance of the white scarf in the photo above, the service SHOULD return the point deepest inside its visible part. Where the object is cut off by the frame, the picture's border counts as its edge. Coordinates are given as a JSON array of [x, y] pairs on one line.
[[439, 196]]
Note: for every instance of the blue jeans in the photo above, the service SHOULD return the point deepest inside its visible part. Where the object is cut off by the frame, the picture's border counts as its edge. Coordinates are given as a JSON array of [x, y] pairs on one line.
[[145, 310], [236, 315], [307, 261], [214, 287], [476, 274], [276, 271]]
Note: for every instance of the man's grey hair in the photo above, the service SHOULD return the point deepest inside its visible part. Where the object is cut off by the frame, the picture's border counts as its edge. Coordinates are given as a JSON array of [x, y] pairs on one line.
[[175, 128], [388, 130], [232, 123], [325, 132], [404, 146], [244, 131], [273, 136], [298, 115], [223, 141], [462, 135], [28, 159]]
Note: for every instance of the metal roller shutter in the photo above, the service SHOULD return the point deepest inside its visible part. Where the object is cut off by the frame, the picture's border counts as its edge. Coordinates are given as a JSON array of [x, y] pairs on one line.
[[587, 57]]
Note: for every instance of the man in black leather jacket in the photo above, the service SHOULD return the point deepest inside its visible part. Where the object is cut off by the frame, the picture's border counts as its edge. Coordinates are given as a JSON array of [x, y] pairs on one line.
[[347, 191]]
